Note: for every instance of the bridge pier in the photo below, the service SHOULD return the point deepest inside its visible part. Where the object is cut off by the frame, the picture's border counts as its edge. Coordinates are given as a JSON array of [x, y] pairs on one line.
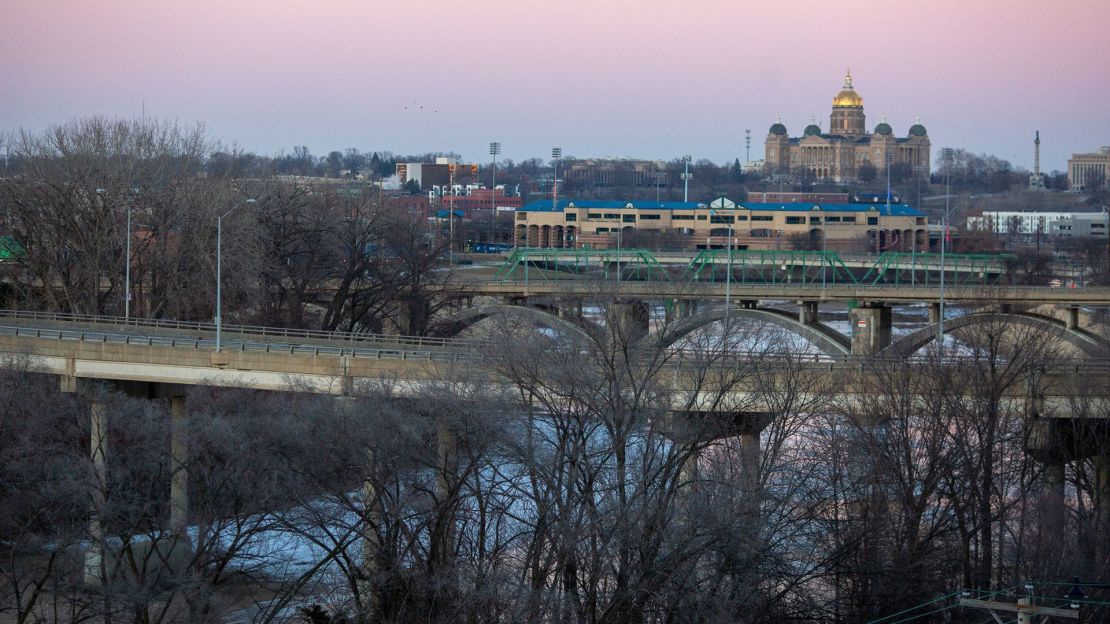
[[95, 566], [808, 312], [871, 328], [1072, 321], [633, 319], [1102, 500], [934, 312], [371, 541], [446, 460], [179, 457], [95, 570]]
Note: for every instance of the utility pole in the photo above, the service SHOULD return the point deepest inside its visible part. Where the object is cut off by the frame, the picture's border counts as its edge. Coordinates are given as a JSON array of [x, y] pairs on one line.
[[747, 146]]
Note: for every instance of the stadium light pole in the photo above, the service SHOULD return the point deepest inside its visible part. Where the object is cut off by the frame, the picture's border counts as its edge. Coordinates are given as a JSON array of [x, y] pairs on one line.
[[556, 154], [494, 150], [947, 154], [219, 261], [686, 178]]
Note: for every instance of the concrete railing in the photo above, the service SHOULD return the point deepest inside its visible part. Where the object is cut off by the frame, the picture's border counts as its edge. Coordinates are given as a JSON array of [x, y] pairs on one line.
[[676, 358], [230, 330]]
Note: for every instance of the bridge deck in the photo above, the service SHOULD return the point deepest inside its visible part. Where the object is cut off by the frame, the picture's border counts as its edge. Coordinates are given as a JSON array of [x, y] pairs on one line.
[[330, 369]]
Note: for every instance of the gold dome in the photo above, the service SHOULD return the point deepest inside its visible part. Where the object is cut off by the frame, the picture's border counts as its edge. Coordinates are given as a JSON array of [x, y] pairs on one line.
[[848, 96]]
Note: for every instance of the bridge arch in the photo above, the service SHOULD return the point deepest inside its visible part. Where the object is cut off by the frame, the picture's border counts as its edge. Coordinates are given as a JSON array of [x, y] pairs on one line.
[[912, 342], [826, 339], [469, 316]]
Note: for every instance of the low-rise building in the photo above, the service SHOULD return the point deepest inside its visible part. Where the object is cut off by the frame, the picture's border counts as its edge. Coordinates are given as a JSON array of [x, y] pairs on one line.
[[1029, 223], [747, 225]]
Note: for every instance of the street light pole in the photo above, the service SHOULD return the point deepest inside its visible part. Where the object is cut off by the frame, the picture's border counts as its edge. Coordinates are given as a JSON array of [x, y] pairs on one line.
[[943, 239], [127, 270], [219, 262]]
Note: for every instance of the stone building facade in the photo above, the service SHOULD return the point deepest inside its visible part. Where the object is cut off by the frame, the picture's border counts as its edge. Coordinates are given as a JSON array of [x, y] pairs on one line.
[[1089, 171], [838, 154]]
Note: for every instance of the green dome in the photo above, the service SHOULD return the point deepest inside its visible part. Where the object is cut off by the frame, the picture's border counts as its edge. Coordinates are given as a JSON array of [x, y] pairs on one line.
[[813, 130], [917, 130], [778, 129], [884, 128]]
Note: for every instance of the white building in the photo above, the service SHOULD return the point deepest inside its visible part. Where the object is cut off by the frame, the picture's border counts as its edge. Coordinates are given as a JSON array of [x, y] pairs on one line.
[[1046, 223]]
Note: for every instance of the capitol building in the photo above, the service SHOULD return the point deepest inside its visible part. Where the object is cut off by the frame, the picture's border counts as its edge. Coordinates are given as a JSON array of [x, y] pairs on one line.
[[838, 154]]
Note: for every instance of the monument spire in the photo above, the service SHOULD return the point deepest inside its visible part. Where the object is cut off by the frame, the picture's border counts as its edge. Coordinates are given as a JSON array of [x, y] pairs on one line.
[[1036, 180]]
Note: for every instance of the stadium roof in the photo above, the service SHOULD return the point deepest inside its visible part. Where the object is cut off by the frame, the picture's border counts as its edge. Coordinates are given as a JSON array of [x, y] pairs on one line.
[[901, 210]]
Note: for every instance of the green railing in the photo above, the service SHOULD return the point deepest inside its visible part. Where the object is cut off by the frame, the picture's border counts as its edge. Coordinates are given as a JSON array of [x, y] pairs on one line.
[[770, 266], [925, 268], [633, 264]]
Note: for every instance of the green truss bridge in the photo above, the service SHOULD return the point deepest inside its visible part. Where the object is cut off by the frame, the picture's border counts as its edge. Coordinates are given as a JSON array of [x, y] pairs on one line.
[[753, 266]]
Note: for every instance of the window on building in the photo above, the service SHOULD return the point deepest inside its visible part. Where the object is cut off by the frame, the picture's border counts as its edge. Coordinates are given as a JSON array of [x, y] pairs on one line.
[[832, 219], [795, 220], [849, 219], [629, 218], [612, 215], [815, 219], [594, 215], [871, 220], [570, 216], [649, 217], [763, 217], [682, 217], [741, 217], [701, 217], [602, 230], [721, 219]]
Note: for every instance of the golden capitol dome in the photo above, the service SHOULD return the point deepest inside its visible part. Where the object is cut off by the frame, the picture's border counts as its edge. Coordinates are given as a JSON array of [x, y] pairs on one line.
[[848, 95]]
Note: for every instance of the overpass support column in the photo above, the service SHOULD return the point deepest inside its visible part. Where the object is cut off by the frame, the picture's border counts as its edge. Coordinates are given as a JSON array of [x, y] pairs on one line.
[[98, 449], [444, 532], [1102, 499], [808, 312], [871, 326], [371, 542], [179, 473]]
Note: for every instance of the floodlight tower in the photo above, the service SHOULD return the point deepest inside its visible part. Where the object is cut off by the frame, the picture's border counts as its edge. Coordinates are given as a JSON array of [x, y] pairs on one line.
[[556, 154], [494, 150], [686, 178]]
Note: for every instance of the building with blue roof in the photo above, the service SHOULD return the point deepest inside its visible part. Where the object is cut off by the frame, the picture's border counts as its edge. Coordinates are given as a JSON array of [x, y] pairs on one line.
[[745, 225]]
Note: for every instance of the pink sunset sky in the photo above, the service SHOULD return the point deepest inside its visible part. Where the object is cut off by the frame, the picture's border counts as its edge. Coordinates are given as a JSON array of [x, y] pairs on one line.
[[645, 79]]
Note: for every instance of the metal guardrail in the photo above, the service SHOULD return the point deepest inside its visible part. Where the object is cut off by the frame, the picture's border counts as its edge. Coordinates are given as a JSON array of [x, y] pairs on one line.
[[236, 345], [251, 330]]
